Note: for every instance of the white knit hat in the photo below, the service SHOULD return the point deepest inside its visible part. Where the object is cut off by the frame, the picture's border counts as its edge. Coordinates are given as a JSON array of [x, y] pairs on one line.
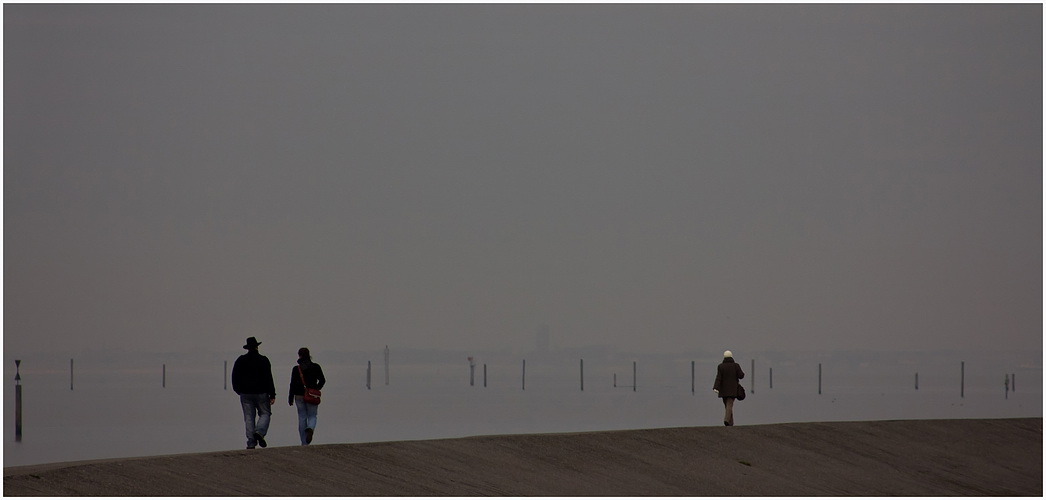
[[728, 354]]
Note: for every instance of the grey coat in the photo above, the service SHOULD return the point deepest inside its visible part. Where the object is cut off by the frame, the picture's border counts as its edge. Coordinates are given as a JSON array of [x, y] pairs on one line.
[[726, 378]]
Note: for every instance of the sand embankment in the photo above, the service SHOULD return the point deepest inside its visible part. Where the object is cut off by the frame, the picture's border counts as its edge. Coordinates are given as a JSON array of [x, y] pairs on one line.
[[909, 458]]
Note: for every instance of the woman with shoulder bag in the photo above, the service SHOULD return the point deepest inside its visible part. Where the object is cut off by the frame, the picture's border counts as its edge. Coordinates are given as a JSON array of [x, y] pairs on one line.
[[306, 382], [727, 386]]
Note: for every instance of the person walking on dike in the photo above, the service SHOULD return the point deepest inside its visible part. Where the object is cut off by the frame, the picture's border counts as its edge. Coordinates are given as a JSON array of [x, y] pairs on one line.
[[305, 374], [726, 384], [252, 380]]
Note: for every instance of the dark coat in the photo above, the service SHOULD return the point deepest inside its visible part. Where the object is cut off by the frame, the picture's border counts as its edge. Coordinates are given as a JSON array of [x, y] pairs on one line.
[[726, 378], [252, 374], [313, 379]]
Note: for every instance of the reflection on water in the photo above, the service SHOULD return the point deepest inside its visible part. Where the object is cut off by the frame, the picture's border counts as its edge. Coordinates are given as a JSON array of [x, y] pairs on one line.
[[122, 413]]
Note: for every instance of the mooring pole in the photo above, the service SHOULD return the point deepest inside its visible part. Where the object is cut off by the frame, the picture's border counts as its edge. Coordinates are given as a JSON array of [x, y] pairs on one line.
[[163, 383], [70, 374], [753, 376], [386, 365], [484, 374], [472, 372], [18, 402], [692, 391], [633, 376], [582, 375], [917, 381], [771, 377], [524, 374], [368, 374], [962, 379], [818, 378]]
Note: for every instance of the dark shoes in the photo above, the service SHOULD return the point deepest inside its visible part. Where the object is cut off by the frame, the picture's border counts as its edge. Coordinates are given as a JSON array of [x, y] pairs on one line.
[[250, 447], [308, 436], [260, 439]]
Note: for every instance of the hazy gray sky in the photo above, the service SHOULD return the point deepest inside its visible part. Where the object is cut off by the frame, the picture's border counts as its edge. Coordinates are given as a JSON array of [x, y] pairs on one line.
[[644, 177]]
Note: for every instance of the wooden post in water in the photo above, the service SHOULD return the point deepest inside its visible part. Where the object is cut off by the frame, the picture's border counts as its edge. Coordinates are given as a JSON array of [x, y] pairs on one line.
[[163, 383], [386, 365], [70, 374], [962, 379], [368, 374], [1013, 382], [484, 374], [582, 375], [771, 377], [472, 372], [818, 378], [18, 403], [524, 374], [633, 376], [917, 381], [692, 391]]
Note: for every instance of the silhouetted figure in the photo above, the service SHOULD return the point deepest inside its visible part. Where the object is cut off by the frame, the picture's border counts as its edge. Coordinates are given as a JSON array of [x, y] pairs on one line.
[[726, 382], [252, 380], [305, 374]]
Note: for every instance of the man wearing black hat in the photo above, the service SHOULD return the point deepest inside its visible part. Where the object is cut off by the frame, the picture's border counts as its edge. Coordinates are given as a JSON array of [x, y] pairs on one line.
[[252, 380]]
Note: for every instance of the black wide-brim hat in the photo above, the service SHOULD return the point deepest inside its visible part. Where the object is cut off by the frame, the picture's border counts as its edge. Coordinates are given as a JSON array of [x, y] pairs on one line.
[[251, 343]]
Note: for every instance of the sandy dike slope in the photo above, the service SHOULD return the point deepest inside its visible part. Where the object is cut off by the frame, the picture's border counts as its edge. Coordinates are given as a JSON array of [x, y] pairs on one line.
[[1000, 457]]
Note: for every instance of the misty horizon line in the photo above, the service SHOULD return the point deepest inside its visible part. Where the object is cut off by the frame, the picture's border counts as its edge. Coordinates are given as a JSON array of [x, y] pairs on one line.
[[1023, 358]]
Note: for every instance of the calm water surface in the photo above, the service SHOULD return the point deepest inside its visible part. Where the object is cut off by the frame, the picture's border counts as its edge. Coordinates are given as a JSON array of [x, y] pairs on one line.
[[122, 412]]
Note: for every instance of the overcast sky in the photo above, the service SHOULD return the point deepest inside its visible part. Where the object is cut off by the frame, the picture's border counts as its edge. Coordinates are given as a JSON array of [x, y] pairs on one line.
[[644, 177]]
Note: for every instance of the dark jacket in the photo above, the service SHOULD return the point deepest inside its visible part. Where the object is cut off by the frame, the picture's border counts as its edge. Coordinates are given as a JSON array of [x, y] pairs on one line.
[[726, 378], [252, 374], [313, 379]]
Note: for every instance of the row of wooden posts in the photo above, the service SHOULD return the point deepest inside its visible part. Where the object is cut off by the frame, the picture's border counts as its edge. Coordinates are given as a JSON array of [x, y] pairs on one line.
[[1011, 381]]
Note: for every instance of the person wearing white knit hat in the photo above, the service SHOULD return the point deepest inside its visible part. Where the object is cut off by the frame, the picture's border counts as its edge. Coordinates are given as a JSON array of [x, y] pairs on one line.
[[727, 386]]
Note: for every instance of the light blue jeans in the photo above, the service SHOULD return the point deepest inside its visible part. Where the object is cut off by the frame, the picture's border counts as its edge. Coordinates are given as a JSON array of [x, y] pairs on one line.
[[255, 405], [306, 416]]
